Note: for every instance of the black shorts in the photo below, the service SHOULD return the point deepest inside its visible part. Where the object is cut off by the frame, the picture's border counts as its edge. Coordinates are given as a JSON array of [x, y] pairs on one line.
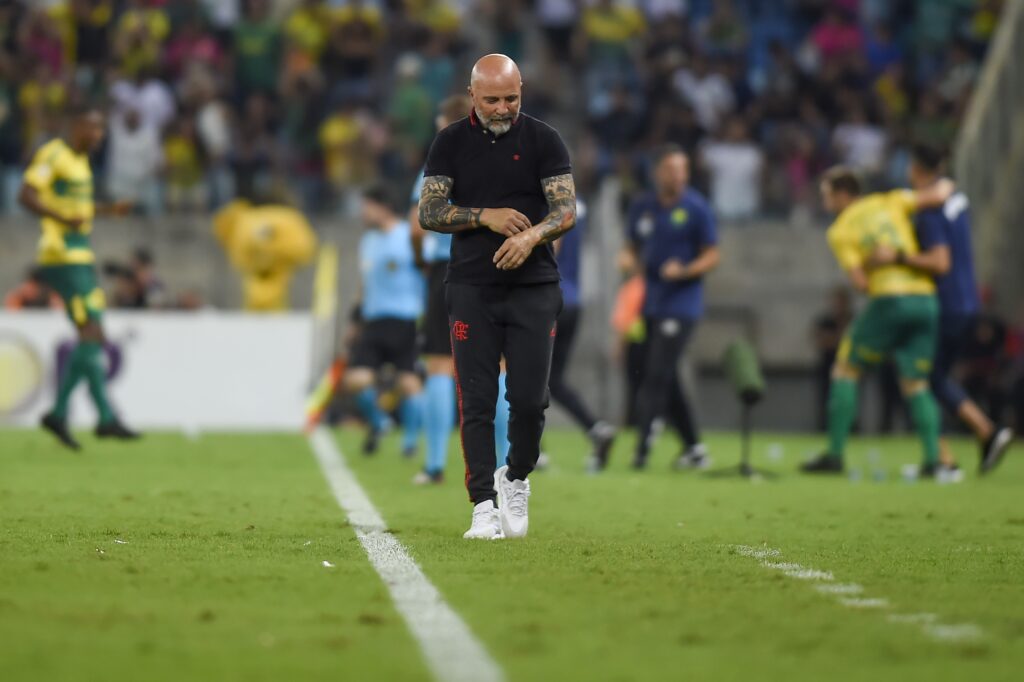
[[436, 337], [387, 341]]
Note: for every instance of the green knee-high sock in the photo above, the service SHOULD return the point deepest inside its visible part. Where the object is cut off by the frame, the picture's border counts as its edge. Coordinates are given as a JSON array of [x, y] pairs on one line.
[[73, 373], [925, 413], [842, 410], [92, 369]]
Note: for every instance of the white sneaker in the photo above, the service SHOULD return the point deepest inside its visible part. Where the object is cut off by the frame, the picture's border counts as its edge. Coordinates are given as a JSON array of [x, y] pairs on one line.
[[695, 457], [513, 498], [486, 523]]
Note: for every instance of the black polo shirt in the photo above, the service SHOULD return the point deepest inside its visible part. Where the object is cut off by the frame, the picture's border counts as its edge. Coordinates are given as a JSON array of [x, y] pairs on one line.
[[498, 172]]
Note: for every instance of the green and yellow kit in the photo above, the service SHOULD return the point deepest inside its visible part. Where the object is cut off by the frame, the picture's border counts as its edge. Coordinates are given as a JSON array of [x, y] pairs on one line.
[[901, 319], [63, 180]]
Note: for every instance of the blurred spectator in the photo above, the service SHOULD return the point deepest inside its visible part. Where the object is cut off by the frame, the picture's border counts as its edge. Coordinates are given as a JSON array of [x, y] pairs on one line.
[[723, 34], [257, 50], [735, 165], [134, 160], [814, 87], [707, 90], [858, 142], [150, 284], [183, 167], [410, 111], [32, 293], [342, 143], [139, 37], [146, 94], [837, 36]]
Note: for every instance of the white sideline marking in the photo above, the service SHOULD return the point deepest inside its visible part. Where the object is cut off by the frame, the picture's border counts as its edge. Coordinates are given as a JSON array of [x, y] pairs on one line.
[[451, 650], [865, 603], [848, 588], [844, 595]]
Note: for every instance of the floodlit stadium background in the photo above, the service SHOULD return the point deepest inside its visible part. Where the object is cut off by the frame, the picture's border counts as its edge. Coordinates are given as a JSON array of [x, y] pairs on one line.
[[307, 102]]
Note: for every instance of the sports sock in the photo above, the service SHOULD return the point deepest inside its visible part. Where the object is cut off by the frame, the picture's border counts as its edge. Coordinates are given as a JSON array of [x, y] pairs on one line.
[[925, 413], [366, 401], [69, 379], [842, 410], [411, 413], [85, 363], [97, 377], [501, 443], [439, 418]]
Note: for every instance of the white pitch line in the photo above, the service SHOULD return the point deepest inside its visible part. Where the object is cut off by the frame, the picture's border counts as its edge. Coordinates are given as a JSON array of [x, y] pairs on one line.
[[845, 595], [451, 650]]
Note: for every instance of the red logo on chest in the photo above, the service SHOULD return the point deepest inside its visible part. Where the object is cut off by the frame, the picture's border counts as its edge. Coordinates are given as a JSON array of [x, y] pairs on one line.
[[515, 157], [460, 330]]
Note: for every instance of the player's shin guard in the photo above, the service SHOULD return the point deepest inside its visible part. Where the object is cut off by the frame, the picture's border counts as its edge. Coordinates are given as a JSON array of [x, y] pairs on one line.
[[439, 418], [501, 443], [925, 413], [412, 420], [842, 410], [366, 401]]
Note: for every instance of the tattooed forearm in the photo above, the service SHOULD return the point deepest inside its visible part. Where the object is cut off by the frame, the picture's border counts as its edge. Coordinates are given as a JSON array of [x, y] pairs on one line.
[[560, 191], [438, 214]]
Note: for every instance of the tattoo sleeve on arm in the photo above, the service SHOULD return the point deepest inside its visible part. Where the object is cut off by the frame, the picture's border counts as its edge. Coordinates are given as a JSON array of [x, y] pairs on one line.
[[438, 214], [560, 191]]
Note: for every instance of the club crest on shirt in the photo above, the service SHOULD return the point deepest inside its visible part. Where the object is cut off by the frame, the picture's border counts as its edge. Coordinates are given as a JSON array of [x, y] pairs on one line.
[[645, 226], [679, 217], [670, 327]]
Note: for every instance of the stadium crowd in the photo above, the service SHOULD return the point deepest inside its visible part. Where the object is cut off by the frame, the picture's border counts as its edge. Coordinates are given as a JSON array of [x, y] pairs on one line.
[[212, 99]]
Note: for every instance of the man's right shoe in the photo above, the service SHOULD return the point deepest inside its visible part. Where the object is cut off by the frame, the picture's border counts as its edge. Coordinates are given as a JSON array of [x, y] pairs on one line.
[[823, 464], [513, 504], [693, 457], [59, 428], [115, 429], [993, 449], [486, 523], [428, 478], [602, 435], [372, 441]]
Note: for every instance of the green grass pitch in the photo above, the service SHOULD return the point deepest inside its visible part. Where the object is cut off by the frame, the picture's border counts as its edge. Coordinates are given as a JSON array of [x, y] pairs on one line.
[[202, 559]]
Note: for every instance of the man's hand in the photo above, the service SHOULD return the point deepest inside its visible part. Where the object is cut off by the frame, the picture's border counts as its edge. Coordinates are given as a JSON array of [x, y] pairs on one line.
[[504, 221], [73, 224], [516, 250], [882, 255], [674, 270]]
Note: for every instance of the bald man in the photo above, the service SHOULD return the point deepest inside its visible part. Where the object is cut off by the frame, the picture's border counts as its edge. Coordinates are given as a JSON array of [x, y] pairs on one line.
[[501, 183]]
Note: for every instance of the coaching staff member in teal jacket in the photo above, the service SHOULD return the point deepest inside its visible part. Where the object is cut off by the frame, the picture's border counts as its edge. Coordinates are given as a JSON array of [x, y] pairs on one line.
[[501, 182]]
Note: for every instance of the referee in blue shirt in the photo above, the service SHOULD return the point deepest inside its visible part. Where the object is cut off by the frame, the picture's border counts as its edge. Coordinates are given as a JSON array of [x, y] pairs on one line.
[[501, 182], [673, 237], [944, 237], [392, 301]]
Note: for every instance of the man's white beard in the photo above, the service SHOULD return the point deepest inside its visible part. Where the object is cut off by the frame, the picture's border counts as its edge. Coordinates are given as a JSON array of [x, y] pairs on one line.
[[499, 128]]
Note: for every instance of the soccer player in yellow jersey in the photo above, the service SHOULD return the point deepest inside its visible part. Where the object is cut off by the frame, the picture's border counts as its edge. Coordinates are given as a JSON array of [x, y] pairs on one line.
[[58, 188], [901, 318]]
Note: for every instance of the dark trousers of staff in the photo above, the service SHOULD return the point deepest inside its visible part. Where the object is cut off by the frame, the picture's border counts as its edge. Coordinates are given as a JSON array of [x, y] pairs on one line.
[[488, 322], [661, 392]]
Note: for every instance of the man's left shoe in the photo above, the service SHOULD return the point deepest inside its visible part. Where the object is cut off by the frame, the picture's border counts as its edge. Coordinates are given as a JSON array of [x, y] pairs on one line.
[[823, 464], [994, 449], [942, 473], [602, 435], [693, 457], [428, 478], [513, 504], [115, 429], [543, 462]]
